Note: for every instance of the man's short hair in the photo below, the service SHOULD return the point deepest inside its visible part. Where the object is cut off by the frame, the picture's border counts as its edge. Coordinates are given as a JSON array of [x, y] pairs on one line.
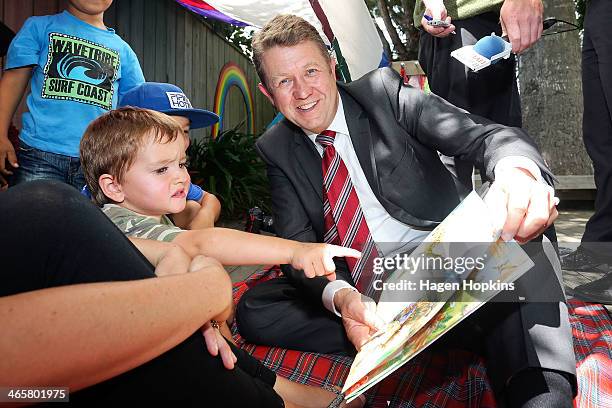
[[111, 143], [284, 30]]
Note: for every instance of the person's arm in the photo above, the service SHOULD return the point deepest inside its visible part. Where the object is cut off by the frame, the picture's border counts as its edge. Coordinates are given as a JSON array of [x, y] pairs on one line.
[[527, 205], [232, 247], [521, 21], [80, 335], [13, 84], [167, 258], [131, 72], [211, 210], [197, 215]]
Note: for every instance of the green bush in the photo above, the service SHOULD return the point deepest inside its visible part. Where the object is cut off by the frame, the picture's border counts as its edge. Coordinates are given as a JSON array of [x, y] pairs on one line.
[[230, 168]]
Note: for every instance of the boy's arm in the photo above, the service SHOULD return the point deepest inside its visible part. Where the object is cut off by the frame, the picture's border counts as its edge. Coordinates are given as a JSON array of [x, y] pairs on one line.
[[13, 84], [231, 247], [122, 324]]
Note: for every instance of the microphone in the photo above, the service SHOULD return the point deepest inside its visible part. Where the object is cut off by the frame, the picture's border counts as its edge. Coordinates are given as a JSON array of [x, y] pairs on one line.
[[489, 46], [488, 50]]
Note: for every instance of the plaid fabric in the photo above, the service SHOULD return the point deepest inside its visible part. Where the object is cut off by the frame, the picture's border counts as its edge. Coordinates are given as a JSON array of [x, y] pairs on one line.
[[592, 330], [452, 379]]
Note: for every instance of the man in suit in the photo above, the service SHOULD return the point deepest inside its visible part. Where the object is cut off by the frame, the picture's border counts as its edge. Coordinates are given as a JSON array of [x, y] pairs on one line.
[[381, 138]]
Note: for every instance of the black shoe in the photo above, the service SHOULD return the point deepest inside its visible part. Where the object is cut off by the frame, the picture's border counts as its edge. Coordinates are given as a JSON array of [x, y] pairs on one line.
[[598, 291], [582, 260]]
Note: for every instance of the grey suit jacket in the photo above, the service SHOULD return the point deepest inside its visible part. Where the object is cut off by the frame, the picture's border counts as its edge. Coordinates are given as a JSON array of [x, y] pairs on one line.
[[396, 132]]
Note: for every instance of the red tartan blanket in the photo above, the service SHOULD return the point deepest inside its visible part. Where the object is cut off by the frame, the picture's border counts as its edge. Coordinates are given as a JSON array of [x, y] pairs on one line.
[[449, 379]]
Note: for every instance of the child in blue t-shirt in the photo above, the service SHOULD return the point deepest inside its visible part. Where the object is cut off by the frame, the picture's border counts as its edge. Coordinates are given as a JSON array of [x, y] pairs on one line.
[[77, 69]]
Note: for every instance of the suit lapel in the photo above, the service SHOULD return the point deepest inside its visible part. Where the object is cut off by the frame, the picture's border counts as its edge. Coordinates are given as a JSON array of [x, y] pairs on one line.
[[310, 161], [359, 129]]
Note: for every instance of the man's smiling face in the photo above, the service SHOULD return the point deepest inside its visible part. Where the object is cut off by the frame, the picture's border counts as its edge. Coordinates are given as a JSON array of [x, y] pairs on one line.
[[301, 83]]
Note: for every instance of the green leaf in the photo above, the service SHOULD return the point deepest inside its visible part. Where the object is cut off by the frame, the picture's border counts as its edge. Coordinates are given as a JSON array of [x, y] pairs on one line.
[[230, 168]]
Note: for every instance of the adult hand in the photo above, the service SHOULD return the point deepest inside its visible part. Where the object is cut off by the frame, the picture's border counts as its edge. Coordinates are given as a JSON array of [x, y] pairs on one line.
[[7, 155], [318, 259], [202, 261], [522, 206], [3, 183], [172, 260], [521, 21], [358, 316], [437, 10], [216, 344]]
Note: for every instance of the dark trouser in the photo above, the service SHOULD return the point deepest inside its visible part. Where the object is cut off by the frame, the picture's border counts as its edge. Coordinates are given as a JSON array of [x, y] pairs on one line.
[[36, 164], [515, 336], [597, 119], [491, 92], [51, 236]]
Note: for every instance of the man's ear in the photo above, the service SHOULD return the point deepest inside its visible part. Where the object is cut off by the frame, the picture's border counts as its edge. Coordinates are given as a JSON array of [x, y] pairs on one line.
[[111, 188], [262, 88], [332, 64]]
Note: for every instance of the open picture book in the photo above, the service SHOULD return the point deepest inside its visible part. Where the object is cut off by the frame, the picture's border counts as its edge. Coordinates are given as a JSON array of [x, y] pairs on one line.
[[416, 315]]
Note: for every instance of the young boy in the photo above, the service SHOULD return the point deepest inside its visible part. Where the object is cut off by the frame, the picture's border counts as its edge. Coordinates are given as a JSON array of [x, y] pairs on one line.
[[203, 208], [77, 69], [134, 164]]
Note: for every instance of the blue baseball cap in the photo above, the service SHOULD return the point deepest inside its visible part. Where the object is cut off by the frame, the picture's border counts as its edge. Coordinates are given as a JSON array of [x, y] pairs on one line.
[[168, 99]]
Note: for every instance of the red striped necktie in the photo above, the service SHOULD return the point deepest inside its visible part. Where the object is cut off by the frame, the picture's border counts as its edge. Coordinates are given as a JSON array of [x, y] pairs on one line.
[[345, 223]]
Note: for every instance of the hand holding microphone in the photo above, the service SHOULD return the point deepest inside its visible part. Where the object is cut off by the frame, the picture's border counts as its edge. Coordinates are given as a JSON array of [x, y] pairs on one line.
[[521, 22]]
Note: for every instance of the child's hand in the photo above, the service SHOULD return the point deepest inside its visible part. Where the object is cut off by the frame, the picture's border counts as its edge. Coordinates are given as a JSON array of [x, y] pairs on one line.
[[3, 183], [7, 156], [317, 259]]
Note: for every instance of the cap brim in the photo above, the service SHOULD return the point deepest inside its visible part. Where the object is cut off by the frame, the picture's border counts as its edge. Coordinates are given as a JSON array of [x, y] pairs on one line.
[[199, 118]]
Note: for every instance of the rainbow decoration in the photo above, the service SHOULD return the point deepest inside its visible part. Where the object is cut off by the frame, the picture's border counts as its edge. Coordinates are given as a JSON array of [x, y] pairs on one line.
[[232, 75]]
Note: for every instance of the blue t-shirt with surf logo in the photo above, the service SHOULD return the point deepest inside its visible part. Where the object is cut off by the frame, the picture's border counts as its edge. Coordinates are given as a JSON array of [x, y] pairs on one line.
[[79, 72]]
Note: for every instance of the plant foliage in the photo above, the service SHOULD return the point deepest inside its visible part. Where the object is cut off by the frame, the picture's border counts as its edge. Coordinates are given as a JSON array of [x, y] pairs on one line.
[[229, 167]]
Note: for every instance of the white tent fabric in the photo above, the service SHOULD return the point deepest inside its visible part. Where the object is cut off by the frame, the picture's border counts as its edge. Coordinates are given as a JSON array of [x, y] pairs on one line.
[[349, 20]]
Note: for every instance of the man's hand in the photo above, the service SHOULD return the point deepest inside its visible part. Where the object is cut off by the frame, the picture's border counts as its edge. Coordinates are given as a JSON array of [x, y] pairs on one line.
[[216, 344], [318, 259], [440, 32], [437, 10], [358, 317], [524, 206], [521, 21], [7, 157]]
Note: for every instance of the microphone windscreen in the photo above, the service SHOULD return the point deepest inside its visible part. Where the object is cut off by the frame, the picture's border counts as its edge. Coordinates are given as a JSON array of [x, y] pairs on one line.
[[489, 46]]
